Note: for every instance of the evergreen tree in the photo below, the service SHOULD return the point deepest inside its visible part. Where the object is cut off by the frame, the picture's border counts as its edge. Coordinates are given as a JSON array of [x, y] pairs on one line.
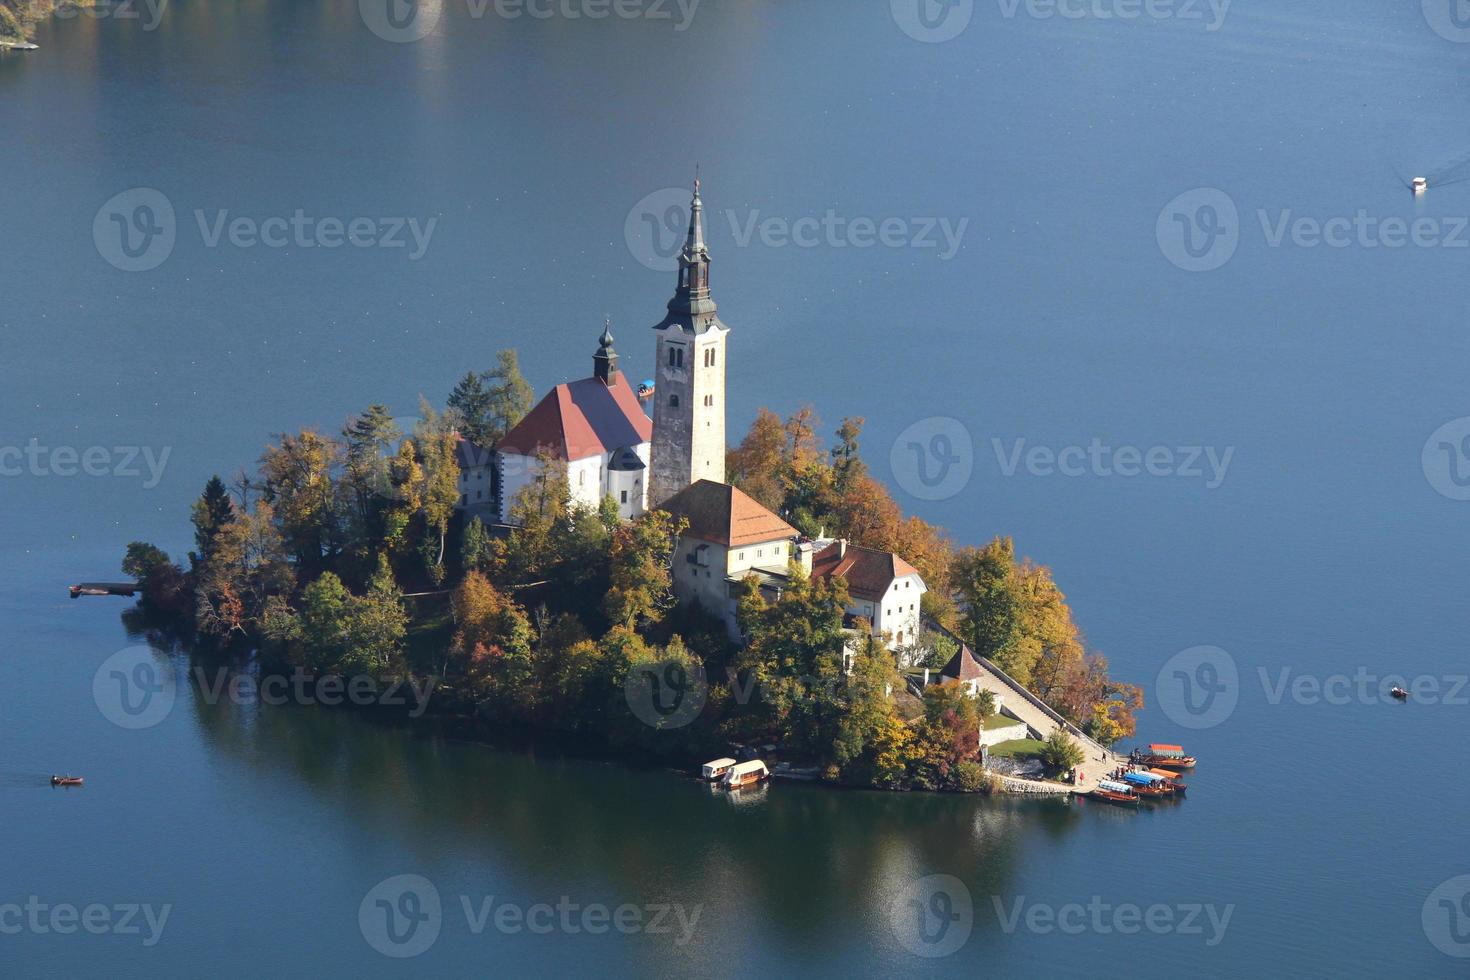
[[472, 404], [509, 396], [211, 512], [475, 550]]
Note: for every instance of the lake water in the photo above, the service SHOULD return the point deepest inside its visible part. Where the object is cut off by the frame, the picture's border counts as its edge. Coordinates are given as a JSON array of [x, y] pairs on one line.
[[1090, 163]]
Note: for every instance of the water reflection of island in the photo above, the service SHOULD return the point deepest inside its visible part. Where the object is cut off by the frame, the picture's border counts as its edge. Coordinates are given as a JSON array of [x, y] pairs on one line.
[[797, 858]]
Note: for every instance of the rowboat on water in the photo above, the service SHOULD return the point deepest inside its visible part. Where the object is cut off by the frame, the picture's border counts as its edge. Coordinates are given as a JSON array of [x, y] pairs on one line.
[[1166, 757], [712, 771], [1115, 793], [1171, 779], [66, 780], [1148, 785], [1400, 693], [745, 774]]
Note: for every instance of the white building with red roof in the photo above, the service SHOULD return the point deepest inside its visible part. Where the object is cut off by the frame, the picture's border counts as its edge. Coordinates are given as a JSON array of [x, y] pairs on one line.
[[882, 587], [596, 427]]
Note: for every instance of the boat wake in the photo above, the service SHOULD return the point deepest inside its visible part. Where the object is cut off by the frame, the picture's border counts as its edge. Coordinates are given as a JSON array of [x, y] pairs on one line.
[[1455, 171]]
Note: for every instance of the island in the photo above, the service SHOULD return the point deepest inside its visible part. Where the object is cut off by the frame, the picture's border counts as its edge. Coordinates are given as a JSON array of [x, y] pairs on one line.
[[599, 567]]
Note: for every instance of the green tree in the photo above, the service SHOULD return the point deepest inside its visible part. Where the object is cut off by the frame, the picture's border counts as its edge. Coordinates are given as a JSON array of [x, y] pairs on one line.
[[369, 440], [848, 468], [142, 560], [510, 395], [641, 589], [986, 582], [209, 514], [472, 405], [475, 551], [377, 626], [1059, 753], [794, 659], [326, 608]]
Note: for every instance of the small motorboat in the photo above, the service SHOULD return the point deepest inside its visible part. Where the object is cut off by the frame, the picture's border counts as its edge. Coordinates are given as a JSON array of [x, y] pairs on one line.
[[1421, 184], [1115, 793], [1400, 693], [66, 780]]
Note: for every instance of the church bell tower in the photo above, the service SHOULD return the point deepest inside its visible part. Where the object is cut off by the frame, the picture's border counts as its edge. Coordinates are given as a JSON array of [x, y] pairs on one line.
[[689, 385]]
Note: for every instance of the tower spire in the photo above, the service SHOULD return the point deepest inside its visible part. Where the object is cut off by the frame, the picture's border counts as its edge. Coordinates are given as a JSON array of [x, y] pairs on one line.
[[605, 361], [692, 295]]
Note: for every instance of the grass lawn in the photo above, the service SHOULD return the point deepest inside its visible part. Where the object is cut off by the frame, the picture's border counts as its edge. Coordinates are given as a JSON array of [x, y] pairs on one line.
[[1000, 721], [1016, 748]]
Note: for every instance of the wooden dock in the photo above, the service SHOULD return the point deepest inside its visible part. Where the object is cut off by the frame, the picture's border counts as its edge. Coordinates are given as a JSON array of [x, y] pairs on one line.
[[128, 589]]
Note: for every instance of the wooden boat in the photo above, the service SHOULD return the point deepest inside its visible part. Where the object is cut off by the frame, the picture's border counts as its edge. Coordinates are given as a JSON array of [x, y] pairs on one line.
[[1166, 757], [1400, 693], [745, 774], [1171, 779], [66, 780], [712, 771], [646, 390], [1115, 793], [1147, 785]]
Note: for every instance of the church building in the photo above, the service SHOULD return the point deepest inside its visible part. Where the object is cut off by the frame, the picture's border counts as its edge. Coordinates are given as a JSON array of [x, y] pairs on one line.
[[596, 427], [676, 462]]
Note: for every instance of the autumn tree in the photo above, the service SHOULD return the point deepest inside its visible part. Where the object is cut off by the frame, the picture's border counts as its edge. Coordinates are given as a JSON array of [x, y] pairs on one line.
[[492, 645], [539, 512], [757, 464], [641, 581], [297, 476], [248, 567]]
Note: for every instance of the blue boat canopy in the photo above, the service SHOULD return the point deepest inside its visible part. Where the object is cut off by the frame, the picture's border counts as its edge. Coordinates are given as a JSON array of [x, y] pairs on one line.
[[1142, 778]]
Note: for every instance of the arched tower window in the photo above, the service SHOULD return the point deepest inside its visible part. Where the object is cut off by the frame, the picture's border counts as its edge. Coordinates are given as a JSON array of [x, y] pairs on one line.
[[673, 401]]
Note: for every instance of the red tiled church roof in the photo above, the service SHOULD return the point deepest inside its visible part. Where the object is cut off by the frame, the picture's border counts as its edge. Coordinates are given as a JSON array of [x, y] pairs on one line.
[[581, 419]]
